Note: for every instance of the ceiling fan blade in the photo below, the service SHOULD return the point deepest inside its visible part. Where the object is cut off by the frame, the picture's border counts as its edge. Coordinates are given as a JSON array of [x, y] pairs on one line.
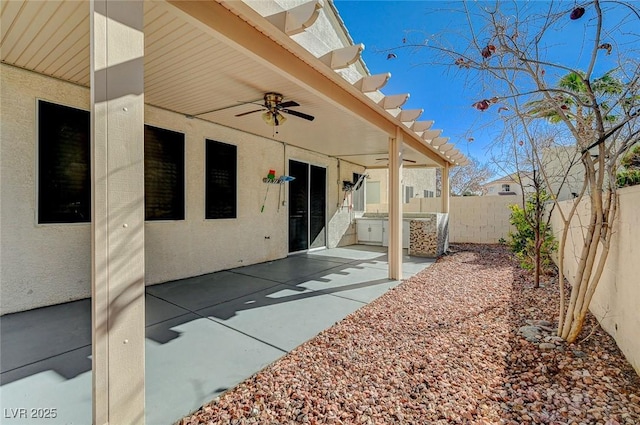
[[250, 112], [404, 159], [298, 114], [288, 104]]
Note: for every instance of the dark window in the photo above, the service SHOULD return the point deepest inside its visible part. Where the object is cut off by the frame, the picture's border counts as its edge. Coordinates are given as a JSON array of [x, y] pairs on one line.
[[408, 194], [221, 180], [64, 184], [163, 174]]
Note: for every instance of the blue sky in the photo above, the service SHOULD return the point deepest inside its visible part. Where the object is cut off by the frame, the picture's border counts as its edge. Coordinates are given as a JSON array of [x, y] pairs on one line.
[[440, 90], [381, 25]]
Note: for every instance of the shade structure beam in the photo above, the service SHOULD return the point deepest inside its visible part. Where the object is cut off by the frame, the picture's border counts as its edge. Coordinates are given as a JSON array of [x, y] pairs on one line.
[[372, 83], [343, 57], [438, 141], [446, 147], [394, 101], [421, 126], [409, 115], [431, 134], [297, 19]]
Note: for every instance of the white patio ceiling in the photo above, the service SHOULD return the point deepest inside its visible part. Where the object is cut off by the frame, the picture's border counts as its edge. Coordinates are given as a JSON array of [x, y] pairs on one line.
[[190, 69]]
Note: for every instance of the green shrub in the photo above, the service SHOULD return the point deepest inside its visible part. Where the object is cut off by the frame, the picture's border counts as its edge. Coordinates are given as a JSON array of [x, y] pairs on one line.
[[631, 160], [628, 178], [522, 240], [630, 175]]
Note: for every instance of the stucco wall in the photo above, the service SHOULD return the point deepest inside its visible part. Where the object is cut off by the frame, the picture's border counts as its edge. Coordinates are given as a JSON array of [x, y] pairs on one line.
[[50, 264], [420, 179], [39, 264], [472, 219], [615, 302]]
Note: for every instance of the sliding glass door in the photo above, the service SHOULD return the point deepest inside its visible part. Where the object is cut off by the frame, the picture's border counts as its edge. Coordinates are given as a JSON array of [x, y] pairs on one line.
[[307, 206]]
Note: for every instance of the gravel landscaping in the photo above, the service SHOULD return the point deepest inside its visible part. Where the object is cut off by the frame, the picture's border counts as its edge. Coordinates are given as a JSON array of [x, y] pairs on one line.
[[466, 341]]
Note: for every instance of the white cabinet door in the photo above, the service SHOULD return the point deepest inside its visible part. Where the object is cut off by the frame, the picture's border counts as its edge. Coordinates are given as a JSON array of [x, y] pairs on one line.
[[363, 230], [369, 231], [376, 231]]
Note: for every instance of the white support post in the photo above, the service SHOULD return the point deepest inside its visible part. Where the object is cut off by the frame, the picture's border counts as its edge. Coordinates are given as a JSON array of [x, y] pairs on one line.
[[395, 206], [117, 225], [445, 188]]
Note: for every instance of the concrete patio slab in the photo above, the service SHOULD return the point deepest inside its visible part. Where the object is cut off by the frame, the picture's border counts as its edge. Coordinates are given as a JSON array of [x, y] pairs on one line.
[[61, 384], [293, 267], [283, 317], [201, 360], [363, 284], [204, 291], [44, 332], [157, 310]]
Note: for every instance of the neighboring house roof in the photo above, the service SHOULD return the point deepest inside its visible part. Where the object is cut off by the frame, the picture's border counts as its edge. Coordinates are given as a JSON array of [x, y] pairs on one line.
[[511, 178]]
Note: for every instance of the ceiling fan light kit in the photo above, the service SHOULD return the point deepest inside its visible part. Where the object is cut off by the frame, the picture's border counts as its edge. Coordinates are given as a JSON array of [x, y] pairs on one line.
[[273, 119]]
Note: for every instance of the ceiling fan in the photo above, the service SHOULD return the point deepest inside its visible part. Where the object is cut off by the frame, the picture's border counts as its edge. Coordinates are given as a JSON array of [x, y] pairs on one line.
[[273, 108]]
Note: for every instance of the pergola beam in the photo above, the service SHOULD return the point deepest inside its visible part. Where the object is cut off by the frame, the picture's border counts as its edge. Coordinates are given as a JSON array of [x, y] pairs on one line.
[[409, 115], [372, 83], [439, 141], [431, 134], [421, 126], [297, 19], [342, 58], [394, 101]]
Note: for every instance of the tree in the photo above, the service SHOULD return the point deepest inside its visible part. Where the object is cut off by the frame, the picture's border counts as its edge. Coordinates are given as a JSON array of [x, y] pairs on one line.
[[468, 179], [514, 53]]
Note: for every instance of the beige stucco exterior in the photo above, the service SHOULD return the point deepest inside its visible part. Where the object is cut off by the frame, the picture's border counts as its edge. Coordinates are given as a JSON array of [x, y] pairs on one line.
[[615, 302], [50, 264], [564, 172], [420, 179], [40, 264]]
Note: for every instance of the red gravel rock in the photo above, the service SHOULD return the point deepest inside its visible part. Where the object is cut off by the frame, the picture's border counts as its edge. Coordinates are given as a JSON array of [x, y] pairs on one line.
[[442, 348]]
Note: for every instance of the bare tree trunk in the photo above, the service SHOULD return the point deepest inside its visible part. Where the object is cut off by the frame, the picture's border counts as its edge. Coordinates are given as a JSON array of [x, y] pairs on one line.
[[538, 247], [597, 274], [561, 245]]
